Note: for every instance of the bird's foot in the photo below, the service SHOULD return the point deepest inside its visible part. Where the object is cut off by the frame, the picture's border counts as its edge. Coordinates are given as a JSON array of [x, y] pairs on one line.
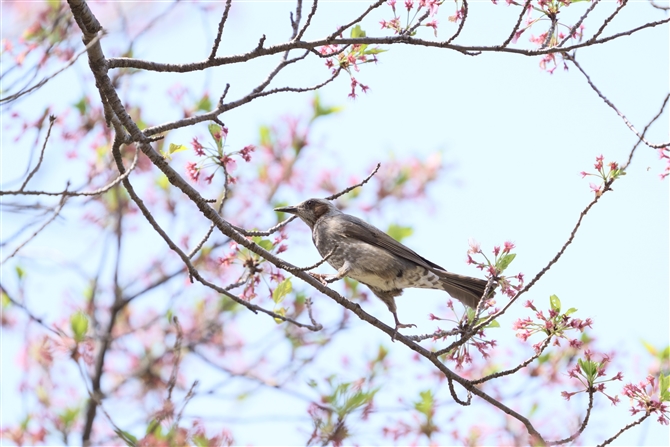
[[320, 277], [399, 325]]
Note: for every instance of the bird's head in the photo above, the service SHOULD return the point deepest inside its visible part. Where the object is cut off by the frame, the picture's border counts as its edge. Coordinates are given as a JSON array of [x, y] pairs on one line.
[[311, 210]]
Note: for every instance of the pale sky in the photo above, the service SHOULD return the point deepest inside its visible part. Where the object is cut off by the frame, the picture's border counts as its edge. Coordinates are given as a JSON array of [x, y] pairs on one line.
[[516, 139]]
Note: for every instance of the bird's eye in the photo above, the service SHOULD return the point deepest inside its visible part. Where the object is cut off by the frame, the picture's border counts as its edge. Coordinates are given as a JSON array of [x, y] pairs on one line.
[[310, 203]]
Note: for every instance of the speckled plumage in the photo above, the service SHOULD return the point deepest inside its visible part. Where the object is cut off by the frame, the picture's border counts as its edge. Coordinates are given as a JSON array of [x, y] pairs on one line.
[[370, 256]]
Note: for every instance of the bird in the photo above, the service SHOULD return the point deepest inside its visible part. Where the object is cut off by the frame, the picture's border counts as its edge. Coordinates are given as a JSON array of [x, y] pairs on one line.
[[363, 252]]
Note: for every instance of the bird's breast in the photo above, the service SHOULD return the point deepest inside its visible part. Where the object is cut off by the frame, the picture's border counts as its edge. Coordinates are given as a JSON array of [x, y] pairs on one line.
[[368, 264]]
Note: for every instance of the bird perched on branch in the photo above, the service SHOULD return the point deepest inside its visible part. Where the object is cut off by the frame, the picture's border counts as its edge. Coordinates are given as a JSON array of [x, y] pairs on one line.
[[362, 252]]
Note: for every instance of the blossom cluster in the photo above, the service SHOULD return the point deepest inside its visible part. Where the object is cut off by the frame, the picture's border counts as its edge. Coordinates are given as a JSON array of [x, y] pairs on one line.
[[254, 267], [588, 371], [461, 354], [547, 12], [650, 396], [350, 57], [429, 7], [216, 156], [555, 324], [503, 256], [607, 175]]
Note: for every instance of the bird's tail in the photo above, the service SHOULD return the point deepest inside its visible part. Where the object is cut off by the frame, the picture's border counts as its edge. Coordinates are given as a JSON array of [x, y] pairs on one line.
[[466, 289]]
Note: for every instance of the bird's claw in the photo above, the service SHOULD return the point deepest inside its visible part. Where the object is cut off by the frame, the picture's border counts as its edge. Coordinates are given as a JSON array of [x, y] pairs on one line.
[[399, 325], [319, 277]]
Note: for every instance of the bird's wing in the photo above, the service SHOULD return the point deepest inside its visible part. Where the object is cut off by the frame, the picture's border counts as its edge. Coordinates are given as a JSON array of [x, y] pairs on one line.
[[466, 289], [356, 228]]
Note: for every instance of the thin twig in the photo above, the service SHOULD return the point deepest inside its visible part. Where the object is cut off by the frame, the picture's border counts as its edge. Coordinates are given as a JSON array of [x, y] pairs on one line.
[[315, 3], [627, 427], [211, 227], [454, 396], [187, 398], [282, 224], [375, 5], [57, 211], [52, 120], [550, 32], [295, 24], [644, 131], [156, 19], [518, 24], [434, 335], [308, 305], [607, 21], [27, 311], [410, 31], [95, 192], [572, 59], [222, 22], [260, 51], [310, 267], [581, 428], [267, 232], [177, 357], [71, 62], [462, 24], [579, 22], [191, 269], [357, 185], [523, 364]]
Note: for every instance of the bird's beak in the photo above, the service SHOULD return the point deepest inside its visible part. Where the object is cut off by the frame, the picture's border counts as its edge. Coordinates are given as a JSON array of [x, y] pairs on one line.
[[288, 209]]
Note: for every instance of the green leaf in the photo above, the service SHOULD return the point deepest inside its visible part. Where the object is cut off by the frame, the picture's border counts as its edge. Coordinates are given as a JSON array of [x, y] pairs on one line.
[[505, 261], [204, 104], [664, 384], [217, 135], [555, 303], [162, 182], [24, 423], [5, 300], [590, 369], [177, 148], [265, 136], [281, 311], [572, 310], [357, 400], [398, 232], [665, 354], [200, 441], [321, 110], [284, 288], [374, 51], [81, 105], [426, 404], [53, 4], [68, 417], [20, 273], [357, 32], [265, 243], [129, 439], [492, 324], [154, 428], [173, 148], [651, 349], [79, 325]]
